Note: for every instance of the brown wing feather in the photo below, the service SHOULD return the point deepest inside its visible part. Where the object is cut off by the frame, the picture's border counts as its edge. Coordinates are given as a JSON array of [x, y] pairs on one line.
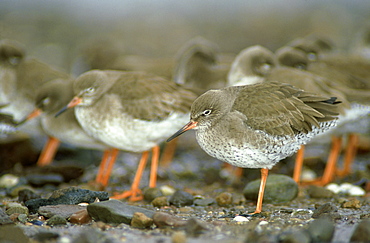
[[281, 109], [148, 97]]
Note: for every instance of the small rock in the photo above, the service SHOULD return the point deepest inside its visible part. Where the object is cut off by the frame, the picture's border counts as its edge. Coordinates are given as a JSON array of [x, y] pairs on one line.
[[40, 180], [115, 211], [279, 188], [204, 202], [62, 210], [326, 210], [8, 181], [178, 237], [140, 220], [319, 192], [14, 217], [167, 190], [167, 220], [352, 203], [70, 195], [151, 193], [67, 170], [240, 219], [56, 220], [195, 227], [224, 199], [361, 232], [299, 236], [4, 218], [16, 208], [22, 218], [80, 217], [186, 210], [181, 198], [26, 194], [321, 230], [160, 202], [346, 189]]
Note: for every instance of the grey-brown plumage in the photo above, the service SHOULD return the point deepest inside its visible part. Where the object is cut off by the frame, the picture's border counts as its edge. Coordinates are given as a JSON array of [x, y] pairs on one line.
[[7, 123], [349, 85], [132, 111], [198, 65]]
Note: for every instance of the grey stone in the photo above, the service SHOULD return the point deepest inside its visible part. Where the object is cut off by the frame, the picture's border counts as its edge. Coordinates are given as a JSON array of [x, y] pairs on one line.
[[116, 212], [167, 220], [319, 192], [279, 188], [181, 198], [151, 193], [196, 227], [62, 210], [204, 202], [22, 218], [25, 194], [39, 180], [299, 236], [328, 210], [56, 220], [16, 208], [321, 230], [361, 232], [4, 218], [70, 195]]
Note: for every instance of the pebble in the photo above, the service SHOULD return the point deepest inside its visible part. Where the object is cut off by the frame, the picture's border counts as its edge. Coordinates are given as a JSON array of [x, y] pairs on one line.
[[240, 219], [67, 170], [181, 198], [167, 190], [69, 195], [195, 227], [319, 192], [224, 199], [40, 180], [160, 202], [14, 217], [140, 220], [186, 210], [204, 202], [346, 188], [299, 236], [62, 210], [115, 211], [16, 208], [321, 230], [279, 188], [4, 218], [326, 210], [56, 220], [8, 181], [179, 237], [22, 218], [361, 232], [25, 194], [352, 203], [161, 220], [80, 217], [151, 193]]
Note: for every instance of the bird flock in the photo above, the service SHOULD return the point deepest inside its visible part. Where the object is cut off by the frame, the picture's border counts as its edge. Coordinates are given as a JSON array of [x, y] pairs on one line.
[[250, 109]]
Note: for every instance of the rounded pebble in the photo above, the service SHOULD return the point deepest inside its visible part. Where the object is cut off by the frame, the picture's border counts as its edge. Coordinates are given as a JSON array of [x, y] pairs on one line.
[[224, 199], [181, 198]]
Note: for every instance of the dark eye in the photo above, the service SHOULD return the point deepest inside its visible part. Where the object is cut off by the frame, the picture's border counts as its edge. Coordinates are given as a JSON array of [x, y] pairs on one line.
[[207, 112], [89, 90]]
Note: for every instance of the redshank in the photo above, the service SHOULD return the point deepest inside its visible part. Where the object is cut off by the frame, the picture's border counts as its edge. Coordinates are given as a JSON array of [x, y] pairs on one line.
[[257, 64], [359, 98], [130, 111], [50, 98], [256, 126]]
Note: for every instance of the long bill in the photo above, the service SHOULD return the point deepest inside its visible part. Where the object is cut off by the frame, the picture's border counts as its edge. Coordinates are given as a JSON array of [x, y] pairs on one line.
[[75, 101], [190, 125], [35, 113]]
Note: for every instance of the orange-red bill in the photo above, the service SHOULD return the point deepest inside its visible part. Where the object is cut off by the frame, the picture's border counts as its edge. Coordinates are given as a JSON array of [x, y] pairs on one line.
[[35, 113], [75, 101], [190, 125]]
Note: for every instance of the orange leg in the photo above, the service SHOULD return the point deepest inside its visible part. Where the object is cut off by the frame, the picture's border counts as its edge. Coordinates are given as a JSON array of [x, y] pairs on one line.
[[298, 164], [261, 192], [154, 167], [103, 164], [168, 153], [48, 152], [349, 155], [135, 193], [108, 171], [330, 165]]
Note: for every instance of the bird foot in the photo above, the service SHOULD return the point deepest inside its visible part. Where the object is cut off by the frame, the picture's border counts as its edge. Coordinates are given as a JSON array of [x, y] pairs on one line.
[[133, 195]]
